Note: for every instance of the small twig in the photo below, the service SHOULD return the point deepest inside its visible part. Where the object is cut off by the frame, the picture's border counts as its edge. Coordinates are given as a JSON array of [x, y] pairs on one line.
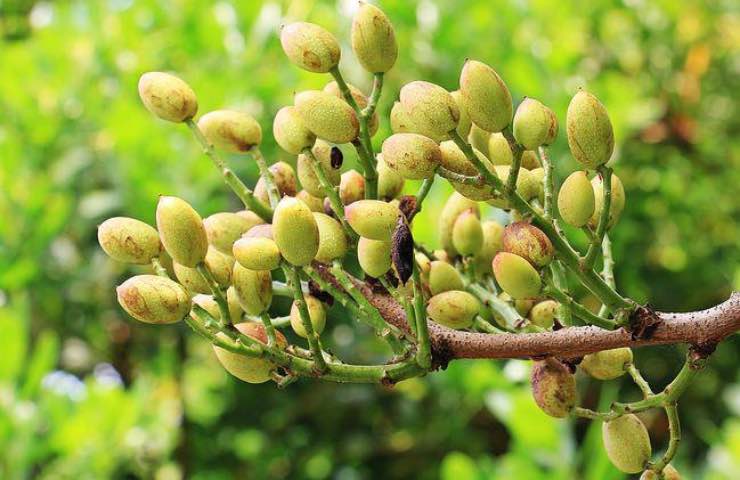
[[424, 352], [606, 177], [291, 273], [639, 380], [273, 193], [331, 193], [218, 294]]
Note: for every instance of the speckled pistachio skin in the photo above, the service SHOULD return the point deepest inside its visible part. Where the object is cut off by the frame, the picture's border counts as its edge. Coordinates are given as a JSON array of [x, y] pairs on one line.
[[310, 46], [390, 183], [153, 299], [231, 131], [316, 312], [443, 277], [373, 39], [251, 217], [590, 133], [264, 230], [327, 116], [285, 181], [209, 304], [617, 204], [537, 175], [434, 110], [373, 219], [454, 159], [669, 473], [249, 369], [360, 98], [526, 186], [529, 242], [310, 182], [454, 206], [553, 387], [479, 138], [181, 231], [128, 240], [189, 278], [454, 309], [220, 265], [532, 123], [576, 201], [553, 128], [485, 96], [467, 233], [253, 289], [401, 121], [332, 240], [464, 124], [499, 151], [627, 443], [493, 233], [316, 204], [295, 231], [543, 314], [257, 253], [374, 256], [411, 155], [225, 228], [516, 276], [351, 187], [290, 132], [235, 309], [607, 364], [167, 97]]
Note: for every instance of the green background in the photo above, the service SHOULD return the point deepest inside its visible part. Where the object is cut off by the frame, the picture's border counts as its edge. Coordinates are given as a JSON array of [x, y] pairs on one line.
[[85, 392]]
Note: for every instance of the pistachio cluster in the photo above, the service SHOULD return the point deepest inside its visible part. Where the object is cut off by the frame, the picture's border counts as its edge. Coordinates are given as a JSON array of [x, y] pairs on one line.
[[300, 226]]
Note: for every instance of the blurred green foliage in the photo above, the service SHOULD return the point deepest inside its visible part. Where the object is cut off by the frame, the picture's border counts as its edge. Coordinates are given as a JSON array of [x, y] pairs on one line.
[[87, 393]]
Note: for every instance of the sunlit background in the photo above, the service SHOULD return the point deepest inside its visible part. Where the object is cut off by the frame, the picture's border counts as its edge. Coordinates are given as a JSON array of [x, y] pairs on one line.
[[85, 392]]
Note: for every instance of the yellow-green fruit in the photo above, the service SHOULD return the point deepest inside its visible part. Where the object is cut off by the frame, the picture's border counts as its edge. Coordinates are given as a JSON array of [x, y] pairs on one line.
[[553, 387], [373, 219], [284, 177], [310, 47], [249, 369], [617, 203], [328, 117], [153, 299], [532, 123], [576, 202], [306, 174], [351, 187], [128, 240], [374, 256], [669, 473], [425, 265], [290, 132], [401, 120], [231, 131], [443, 277], [264, 230], [499, 151], [360, 98], [607, 364], [485, 96], [181, 231], [257, 253], [295, 231], [454, 206], [493, 233], [537, 176], [411, 155], [524, 305], [627, 443], [225, 228], [235, 309], [191, 279], [434, 111], [526, 186], [167, 97], [332, 240], [479, 138], [464, 124], [590, 134], [529, 160], [543, 314], [316, 313], [251, 217], [455, 160], [467, 233], [516, 276], [390, 183], [253, 289], [453, 309], [221, 266], [529, 242], [373, 39], [552, 131], [209, 304], [316, 204]]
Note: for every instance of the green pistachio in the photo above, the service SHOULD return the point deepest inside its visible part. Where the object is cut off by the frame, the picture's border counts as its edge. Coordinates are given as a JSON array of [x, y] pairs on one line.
[[529, 242], [390, 183], [257, 253], [253, 289], [479, 138], [310, 47], [167, 97], [374, 256], [435, 112], [590, 134], [373, 219], [128, 240], [553, 387], [493, 233], [464, 124], [443, 277], [543, 314], [249, 369], [373, 39], [453, 309], [455, 205], [316, 313], [467, 233], [231, 131], [295, 230], [516, 276], [576, 201], [306, 175], [607, 364], [617, 203], [485, 96], [181, 231], [411, 155], [225, 228], [284, 177], [627, 443], [153, 299], [351, 187], [332, 239], [532, 123], [290, 132], [327, 116], [316, 204], [361, 100]]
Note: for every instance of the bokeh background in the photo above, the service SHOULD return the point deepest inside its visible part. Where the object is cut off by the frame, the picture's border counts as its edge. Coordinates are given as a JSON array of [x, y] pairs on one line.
[[87, 393]]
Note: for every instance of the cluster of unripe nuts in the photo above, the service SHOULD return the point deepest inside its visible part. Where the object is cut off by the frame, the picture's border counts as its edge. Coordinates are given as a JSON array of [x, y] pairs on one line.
[[316, 213]]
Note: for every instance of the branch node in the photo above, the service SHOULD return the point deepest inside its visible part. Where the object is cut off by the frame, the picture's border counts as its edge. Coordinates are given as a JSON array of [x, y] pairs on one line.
[[643, 322]]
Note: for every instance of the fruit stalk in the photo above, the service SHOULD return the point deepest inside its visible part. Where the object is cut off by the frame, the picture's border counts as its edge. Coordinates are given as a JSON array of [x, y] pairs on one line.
[[218, 294], [577, 309], [374, 95], [272, 191], [423, 344], [331, 193], [596, 241], [291, 274]]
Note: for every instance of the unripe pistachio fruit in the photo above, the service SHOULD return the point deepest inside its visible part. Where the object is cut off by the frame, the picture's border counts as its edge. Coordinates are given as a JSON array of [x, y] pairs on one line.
[[181, 231], [435, 112], [373, 39], [526, 186], [167, 97], [249, 369], [532, 123], [499, 150], [455, 160], [295, 230], [411, 155], [453, 309], [516, 276], [191, 279], [316, 204], [543, 314], [479, 138], [128, 240], [493, 233], [390, 183], [617, 203], [590, 134], [310, 46], [257, 253], [485, 96], [576, 199], [373, 219], [209, 304], [361, 100], [467, 233], [351, 187], [669, 473], [464, 124], [443, 277], [332, 240], [552, 131], [328, 117], [537, 177], [153, 299], [316, 313], [225, 228], [284, 177], [454, 206], [264, 231], [219, 264], [374, 256], [627, 443], [306, 174], [401, 120], [290, 132], [529, 242], [553, 387], [253, 289], [607, 364], [231, 131]]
